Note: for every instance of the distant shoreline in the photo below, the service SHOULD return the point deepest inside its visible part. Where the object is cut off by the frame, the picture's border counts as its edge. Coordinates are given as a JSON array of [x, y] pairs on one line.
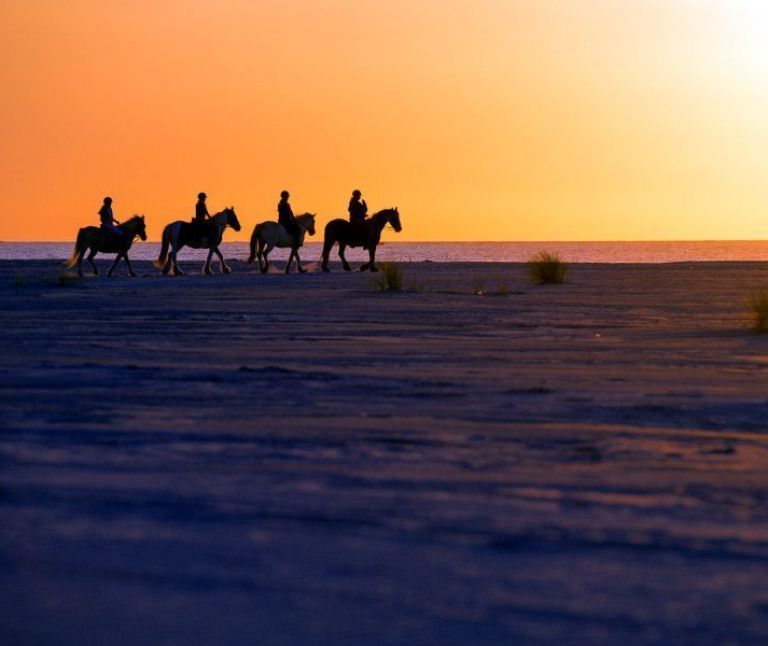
[[660, 252]]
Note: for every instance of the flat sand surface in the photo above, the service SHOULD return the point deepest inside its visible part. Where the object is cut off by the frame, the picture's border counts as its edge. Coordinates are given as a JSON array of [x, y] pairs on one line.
[[251, 459]]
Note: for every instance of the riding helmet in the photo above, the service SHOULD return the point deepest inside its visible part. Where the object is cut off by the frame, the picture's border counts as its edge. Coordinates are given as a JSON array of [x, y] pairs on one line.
[[285, 194], [107, 200], [201, 196], [356, 193]]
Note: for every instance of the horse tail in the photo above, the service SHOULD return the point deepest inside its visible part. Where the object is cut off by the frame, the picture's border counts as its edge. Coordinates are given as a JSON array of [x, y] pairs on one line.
[[254, 239], [160, 262], [78, 251]]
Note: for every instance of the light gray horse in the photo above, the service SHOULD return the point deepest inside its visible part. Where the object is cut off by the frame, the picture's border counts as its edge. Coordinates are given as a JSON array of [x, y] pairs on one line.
[[268, 235], [180, 234]]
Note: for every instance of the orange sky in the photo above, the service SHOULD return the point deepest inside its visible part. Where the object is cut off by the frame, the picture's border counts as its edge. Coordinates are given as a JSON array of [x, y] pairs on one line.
[[480, 119]]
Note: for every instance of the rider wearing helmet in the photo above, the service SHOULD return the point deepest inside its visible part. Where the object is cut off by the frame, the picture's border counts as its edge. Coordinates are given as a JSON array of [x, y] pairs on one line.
[[108, 222], [357, 210], [287, 219], [198, 227], [201, 210]]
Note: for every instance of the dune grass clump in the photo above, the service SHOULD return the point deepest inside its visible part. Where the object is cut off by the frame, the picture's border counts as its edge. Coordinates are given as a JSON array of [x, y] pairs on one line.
[[65, 279], [547, 268], [758, 304], [390, 278]]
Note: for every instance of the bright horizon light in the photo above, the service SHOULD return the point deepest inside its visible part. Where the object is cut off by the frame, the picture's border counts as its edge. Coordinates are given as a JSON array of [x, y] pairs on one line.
[[493, 120]]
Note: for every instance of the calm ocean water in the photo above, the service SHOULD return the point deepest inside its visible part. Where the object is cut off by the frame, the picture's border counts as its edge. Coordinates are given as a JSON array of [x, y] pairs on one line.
[[603, 252]]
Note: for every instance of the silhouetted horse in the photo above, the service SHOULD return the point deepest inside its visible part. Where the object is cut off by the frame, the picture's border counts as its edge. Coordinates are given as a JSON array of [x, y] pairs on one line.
[[366, 236], [98, 241], [268, 235], [180, 234]]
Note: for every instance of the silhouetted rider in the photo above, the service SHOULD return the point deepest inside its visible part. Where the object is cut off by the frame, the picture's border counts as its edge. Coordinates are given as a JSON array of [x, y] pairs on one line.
[[357, 210], [201, 210], [108, 222], [199, 229], [286, 218]]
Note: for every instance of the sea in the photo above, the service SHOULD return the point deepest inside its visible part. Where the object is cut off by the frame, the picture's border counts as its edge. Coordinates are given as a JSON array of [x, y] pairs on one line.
[[574, 252]]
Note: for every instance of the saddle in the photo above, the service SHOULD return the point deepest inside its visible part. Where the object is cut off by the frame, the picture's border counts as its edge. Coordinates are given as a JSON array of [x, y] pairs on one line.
[[198, 232], [286, 233], [110, 238], [358, 235]]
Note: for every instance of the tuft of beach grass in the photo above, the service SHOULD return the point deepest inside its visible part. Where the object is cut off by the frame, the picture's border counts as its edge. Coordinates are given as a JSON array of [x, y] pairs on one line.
[[65, 279], [547, 268], [390, 278], [758, 305]]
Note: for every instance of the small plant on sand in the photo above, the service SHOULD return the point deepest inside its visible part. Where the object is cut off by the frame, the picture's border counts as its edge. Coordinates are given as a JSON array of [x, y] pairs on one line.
[[546, 268], [479, 287], [390, 278], [758, 304], [65, 279]]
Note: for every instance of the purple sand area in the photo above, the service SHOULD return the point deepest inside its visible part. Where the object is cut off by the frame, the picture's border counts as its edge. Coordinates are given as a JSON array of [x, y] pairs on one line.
[[251, 459]]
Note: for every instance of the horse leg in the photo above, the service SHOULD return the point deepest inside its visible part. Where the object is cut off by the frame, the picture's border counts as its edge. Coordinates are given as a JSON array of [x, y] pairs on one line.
[[114, 264], [207, 266], [298, 264], [93, 264], [80, 264], [344, 262], [290, 260], [326, 252], [131, 273], [372, 255], [259, 253], [224, 266], [175, 264], [266, 251]]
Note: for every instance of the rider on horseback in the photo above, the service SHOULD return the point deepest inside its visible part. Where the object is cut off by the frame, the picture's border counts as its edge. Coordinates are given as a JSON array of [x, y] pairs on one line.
[[286, 218], [108, 223], [357, 210], [198, 227]]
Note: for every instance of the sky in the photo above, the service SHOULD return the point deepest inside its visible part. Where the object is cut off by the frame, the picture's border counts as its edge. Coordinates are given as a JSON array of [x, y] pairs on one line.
[[479, 119]]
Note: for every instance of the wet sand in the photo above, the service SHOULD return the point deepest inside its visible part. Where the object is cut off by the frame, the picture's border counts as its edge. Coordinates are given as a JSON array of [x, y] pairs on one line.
[[277, 459]]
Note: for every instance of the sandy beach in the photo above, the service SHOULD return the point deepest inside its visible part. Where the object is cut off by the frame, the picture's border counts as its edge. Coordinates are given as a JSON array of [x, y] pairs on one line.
[[302, 459]]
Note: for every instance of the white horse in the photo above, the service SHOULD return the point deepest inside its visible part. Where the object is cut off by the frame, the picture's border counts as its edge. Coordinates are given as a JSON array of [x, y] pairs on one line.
[[179, 234], [268, 235]]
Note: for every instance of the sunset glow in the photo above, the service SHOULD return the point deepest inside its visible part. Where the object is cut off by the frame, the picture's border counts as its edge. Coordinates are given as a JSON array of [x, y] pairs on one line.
[[484, 120]]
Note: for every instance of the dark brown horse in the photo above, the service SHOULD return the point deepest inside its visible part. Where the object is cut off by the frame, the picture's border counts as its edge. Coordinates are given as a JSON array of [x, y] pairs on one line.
[[183, 234], [95, 239], [366, 236]]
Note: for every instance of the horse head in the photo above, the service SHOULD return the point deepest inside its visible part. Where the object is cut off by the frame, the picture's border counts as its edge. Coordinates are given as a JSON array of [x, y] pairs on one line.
[[307, 220], [142, 228], [136, 226], [232, 220], [394, 220]]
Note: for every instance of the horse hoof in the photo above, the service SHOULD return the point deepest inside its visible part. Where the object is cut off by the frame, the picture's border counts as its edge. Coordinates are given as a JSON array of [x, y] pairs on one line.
[[132, 275], [302, 271], [347, 268], [326, 270], [374, 269], [226, 270]]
